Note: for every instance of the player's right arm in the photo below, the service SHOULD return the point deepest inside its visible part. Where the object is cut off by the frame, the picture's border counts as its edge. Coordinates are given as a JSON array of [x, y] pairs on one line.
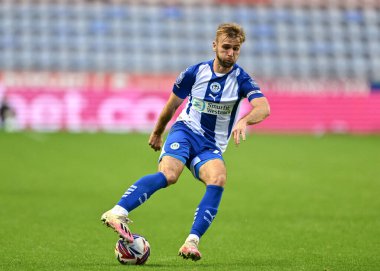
[[181, 90], [155, 139]]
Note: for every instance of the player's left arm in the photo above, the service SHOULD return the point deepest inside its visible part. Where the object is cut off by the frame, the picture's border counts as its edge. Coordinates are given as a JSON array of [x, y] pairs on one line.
[[259, 112]]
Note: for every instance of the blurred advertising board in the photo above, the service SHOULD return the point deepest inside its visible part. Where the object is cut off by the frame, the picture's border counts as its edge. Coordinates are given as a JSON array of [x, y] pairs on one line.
[[124, 103]]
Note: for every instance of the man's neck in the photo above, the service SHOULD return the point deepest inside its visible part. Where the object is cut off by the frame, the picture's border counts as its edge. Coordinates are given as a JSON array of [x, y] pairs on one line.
[[220, 69]]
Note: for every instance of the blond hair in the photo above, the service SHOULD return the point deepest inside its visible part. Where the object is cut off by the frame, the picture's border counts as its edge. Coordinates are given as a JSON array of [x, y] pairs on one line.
[[231, 30]]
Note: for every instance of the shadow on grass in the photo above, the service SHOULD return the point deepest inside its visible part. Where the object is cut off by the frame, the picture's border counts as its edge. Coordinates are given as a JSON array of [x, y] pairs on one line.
[[254, 264]]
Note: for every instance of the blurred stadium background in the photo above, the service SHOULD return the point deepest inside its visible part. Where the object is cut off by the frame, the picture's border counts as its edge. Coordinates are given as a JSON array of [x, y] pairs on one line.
[[298, 202], [110, 65]]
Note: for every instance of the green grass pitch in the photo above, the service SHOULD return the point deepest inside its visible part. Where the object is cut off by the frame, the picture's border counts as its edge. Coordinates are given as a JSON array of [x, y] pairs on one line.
[[292, 202]]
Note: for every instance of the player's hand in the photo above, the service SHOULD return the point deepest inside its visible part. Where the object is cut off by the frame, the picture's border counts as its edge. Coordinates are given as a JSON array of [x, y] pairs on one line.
[[239, 131], [155, 142]]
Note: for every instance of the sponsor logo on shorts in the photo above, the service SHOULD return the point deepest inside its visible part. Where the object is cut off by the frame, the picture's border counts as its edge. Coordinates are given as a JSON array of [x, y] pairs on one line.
[[174, 146]]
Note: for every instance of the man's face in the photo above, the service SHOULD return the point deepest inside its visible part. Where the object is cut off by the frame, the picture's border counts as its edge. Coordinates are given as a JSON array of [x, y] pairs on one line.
[[227, 51]]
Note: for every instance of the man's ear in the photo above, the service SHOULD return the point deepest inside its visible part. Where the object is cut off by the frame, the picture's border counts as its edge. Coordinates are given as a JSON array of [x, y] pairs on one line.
[[214, 46]]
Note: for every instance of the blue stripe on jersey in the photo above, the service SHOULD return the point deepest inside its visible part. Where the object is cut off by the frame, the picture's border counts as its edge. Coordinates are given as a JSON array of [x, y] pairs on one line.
[[208, 121], [189, 105], [232, 120], [185, 81]]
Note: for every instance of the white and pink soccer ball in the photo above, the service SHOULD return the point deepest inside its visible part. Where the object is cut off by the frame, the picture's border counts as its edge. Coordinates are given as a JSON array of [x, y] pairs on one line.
[[134, 254]]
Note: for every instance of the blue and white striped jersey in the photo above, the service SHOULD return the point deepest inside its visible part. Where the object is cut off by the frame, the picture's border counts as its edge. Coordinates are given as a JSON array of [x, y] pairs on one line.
[[214, 99]]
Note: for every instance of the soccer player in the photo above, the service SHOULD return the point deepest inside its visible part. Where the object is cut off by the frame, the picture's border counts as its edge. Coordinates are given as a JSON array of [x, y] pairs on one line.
[[199, 136]]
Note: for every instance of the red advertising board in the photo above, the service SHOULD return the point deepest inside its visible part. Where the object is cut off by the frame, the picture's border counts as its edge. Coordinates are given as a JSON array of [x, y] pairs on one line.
[[138, 111], [47, 101]]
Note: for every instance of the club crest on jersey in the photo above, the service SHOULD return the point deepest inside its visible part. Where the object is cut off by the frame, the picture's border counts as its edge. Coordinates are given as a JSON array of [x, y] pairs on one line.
[[215, 87], [174, 146]]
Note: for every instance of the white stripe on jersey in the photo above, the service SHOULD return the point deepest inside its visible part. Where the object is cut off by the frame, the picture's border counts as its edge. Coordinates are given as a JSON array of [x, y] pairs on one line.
[[201, 82], [223, 121], [193, 119]]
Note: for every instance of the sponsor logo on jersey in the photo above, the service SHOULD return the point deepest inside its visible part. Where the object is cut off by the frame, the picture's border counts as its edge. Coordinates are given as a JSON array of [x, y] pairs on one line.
[[199, 104], [174, 146], [212, 108], [215, 87], [212, 96]]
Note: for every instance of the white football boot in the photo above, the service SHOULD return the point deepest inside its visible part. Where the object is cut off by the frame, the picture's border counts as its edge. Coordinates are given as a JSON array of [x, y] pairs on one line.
[[119, 223], [189, 249]]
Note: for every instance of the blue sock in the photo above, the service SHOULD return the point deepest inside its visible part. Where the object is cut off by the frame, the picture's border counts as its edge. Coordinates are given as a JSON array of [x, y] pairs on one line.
[[207, 209], [141, 190]]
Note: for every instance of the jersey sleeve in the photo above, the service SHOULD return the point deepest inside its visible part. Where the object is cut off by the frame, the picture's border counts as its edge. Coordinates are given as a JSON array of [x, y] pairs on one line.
[[249, 88], [184, 82]]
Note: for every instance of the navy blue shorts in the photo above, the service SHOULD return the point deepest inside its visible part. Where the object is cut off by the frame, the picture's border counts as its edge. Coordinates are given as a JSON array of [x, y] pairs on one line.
[[192, 149]]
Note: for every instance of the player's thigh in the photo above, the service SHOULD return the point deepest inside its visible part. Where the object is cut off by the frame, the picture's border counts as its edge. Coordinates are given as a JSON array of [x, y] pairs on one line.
[[213, 172], [171, 167]]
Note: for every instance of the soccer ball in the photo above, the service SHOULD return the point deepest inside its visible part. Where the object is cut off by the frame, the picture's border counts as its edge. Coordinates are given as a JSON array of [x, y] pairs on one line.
[[136, 253]]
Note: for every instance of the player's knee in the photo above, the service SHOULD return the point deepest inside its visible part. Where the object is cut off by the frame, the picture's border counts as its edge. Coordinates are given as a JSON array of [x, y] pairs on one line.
[[171, 177], [171, 168], [219, 180]]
